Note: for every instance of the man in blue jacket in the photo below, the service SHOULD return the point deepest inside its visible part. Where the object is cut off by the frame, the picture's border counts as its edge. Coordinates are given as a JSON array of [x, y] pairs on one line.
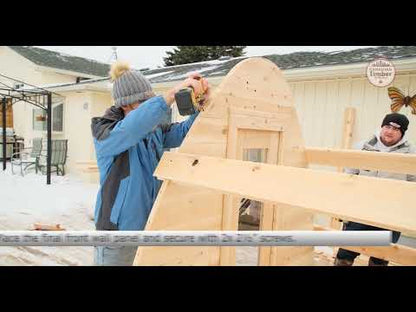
[[129, 141]]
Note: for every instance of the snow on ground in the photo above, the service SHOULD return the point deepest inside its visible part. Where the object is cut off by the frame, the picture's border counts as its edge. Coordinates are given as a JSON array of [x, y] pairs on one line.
[[27, 200], [69, 201]]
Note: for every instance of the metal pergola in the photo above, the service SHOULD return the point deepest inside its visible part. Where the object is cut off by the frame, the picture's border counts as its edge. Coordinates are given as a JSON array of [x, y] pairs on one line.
[[34, 95]]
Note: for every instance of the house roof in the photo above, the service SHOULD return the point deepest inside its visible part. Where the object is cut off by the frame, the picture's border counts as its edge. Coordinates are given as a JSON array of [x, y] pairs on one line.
[[217, 68], [295, 60], [58, 60]]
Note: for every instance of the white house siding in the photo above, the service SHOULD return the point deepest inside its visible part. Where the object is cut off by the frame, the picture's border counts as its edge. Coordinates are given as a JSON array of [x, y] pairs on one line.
[[321, 104], [100, 103], [51, 77], [77, 128], [80, 108]]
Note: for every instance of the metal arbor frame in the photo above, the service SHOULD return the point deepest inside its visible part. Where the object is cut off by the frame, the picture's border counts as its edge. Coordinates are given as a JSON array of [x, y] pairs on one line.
[[35, 96]]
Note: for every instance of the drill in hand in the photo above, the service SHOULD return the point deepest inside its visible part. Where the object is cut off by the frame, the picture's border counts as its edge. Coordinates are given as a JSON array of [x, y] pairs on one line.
[[187, 103]]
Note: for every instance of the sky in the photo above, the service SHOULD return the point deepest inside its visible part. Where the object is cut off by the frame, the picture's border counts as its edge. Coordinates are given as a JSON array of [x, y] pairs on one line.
[[152, 56]]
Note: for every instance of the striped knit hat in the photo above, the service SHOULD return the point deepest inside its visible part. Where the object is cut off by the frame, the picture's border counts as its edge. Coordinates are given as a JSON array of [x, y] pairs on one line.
[[129, 86]]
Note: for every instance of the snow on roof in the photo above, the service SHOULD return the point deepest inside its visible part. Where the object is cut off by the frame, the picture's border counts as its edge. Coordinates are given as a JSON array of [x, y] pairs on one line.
[[63, 61], [284, 61], [158, 74], [66, 84]]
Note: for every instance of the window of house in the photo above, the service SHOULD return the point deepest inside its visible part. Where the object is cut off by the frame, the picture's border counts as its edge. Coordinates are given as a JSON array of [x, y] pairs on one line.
[[40, 122], [58, 117], [39, 119]]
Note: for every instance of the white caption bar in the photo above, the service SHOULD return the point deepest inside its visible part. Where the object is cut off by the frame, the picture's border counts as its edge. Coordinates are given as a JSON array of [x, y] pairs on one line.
[[195, 238]]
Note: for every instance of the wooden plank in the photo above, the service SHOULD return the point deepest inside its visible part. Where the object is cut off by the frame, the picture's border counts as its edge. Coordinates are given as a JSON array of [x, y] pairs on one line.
[[281, 113], [280, 144], [180, 207], [268, 209], [230, 209], [208, 131], [255, 120], [47, 227], [379, 202], [348, 129], [396, 253], [286, 217], [9, 114], [229, 223], [392, 162], [262, 123], [266, 224]]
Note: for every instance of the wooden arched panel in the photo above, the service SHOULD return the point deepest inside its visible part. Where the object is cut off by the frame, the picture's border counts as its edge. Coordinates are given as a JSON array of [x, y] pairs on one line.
[[252, 108]]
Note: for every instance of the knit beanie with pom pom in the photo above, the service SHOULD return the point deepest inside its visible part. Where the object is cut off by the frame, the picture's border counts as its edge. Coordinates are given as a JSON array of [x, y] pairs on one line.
[[129, 86]]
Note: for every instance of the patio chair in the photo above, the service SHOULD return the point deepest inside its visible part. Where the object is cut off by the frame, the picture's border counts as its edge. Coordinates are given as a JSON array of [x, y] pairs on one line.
[[58, 157], [27, 157]]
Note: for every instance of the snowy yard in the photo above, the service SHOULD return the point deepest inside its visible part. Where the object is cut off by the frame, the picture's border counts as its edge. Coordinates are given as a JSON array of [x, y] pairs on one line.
[[27, 200], [67, 201]]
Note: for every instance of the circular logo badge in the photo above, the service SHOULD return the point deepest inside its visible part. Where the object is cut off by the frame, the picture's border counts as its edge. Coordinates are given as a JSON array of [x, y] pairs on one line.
[[381, 72]]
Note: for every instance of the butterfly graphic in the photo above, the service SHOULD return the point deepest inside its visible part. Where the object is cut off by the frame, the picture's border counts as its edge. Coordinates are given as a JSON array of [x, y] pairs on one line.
[[399, 100]]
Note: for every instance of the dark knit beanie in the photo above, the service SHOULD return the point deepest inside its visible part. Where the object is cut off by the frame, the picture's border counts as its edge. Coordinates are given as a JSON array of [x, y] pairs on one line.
[[396, 120]]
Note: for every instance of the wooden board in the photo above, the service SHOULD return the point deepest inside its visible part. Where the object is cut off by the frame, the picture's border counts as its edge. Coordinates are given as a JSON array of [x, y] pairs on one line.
[[396, 253], [392, 162], [348, 129], [9, 114], [253, 97], [380, 202], [183, 208]]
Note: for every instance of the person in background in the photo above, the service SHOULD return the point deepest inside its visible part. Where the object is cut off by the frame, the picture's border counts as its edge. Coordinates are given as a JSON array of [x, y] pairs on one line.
[[390, 139]]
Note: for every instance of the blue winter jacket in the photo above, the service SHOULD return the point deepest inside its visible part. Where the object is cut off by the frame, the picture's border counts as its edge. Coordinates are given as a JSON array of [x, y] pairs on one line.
[[128, 150]]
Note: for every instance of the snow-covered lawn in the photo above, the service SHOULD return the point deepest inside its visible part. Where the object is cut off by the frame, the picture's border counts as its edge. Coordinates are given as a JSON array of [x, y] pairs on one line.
[[67, 201]]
